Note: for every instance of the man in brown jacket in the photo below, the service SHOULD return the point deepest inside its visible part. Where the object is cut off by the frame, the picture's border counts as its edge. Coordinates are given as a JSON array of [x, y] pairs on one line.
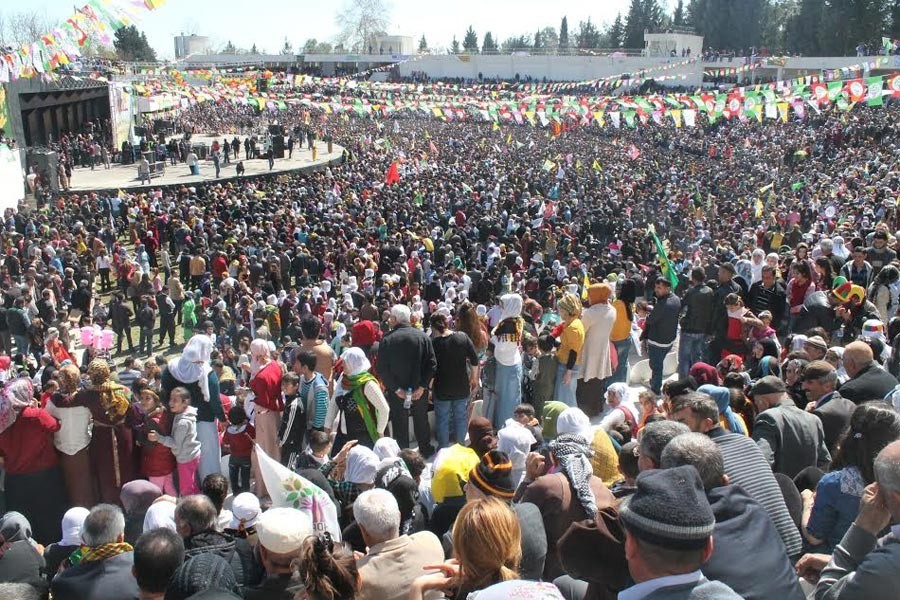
[[570, 494]]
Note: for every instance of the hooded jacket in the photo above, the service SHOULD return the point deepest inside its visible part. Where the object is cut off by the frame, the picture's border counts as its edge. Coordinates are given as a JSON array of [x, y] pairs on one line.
[[742, 524]]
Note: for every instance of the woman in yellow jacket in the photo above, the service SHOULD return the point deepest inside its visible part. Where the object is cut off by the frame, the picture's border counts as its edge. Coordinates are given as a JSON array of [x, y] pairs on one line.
[[620, 336], [570, 342]]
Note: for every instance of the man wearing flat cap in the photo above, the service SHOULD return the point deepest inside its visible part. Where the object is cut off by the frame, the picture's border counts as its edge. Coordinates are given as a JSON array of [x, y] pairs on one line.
[[790, 438], [668, 527]]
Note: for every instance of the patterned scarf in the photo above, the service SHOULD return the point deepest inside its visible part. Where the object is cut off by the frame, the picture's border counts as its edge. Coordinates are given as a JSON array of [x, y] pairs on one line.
[[572, 452], [98, 553]]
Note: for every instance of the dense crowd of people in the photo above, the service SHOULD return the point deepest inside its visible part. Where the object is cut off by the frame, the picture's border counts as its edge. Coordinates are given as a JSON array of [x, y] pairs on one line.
[[646, 351]]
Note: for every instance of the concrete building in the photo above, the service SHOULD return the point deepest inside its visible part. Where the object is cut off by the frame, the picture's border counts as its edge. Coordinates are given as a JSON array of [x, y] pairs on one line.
[[672, 43], [186, 45], [396, 45]]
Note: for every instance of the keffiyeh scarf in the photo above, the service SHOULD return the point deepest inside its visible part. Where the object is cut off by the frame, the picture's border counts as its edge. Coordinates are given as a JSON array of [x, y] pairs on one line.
[[572, 452]]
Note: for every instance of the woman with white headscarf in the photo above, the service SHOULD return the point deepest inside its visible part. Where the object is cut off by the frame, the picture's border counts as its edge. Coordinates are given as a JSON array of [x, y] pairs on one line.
[[507, 337], [352, 472], [56, 553], [193, 371], [358, 409], [621, 409]]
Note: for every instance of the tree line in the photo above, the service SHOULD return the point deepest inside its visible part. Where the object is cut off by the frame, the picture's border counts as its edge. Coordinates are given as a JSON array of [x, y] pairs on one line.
[[808, 27]]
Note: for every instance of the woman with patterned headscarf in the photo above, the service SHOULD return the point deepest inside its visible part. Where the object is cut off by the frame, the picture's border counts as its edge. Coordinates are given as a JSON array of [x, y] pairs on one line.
[[571, 340], [111, 448], [73, 437], [34, 484]]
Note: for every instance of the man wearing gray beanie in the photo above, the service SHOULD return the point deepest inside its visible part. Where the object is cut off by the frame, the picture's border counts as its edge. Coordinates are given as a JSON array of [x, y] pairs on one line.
[[668, 525]]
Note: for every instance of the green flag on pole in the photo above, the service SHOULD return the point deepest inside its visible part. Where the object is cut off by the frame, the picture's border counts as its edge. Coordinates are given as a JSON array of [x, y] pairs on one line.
[[665, 266]]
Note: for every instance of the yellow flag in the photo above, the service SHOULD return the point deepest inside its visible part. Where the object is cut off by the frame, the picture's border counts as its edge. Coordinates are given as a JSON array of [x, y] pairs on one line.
[[427, 135], [548, 165], [585, 284], [509, 139], [596, 165], [495, 127], [759, 208]]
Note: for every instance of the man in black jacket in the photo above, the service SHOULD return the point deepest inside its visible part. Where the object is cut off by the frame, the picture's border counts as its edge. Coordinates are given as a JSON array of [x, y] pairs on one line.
[[146, 319], [660, 330], [120, 315], [819, 383], [769, 294], [741, 523], [196, 520], [696, 322], [166, 307], [868, 380], [406, 365], [727, 286]]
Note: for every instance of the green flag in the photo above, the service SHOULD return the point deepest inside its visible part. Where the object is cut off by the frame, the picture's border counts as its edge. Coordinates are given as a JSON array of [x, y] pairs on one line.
[[874, 94], [798, 186], [665, 266]]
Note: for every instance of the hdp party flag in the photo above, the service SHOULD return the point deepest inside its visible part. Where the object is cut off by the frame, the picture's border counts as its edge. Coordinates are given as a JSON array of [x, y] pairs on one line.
[[664, 265], [287, 489], [393, 174]]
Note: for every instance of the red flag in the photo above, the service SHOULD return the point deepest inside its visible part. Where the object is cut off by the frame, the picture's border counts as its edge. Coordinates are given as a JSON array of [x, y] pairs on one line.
[[819, 93], [433, 148], [633, 152], [856, 89], [894, 86], [393, 174]]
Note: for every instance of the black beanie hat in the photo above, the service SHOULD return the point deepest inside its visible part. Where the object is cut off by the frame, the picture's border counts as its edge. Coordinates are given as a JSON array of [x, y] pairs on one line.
[[493, 475], [669, 509]]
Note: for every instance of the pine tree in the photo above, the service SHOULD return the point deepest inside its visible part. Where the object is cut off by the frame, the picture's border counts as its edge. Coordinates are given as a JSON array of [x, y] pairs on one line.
[[488, 46], [229, 48], [287, 49], [678, 15], [538, 40], [470, 41], [588, 35], [253, 49], [616, 32], [423, 44], [454, 46], [564, 34]]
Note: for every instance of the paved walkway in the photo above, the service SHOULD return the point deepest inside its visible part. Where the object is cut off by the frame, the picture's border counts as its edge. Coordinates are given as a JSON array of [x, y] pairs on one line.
[[125, 177]]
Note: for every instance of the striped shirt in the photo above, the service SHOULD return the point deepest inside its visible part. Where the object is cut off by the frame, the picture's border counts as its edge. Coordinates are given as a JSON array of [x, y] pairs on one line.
[[315, 393], [746, 466]]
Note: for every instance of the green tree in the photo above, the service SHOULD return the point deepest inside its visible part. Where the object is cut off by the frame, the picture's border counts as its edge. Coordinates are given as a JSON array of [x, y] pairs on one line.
[[895, 20], [616, 33], [564, 34], [730, 25], [454, 46], [488, 45], [516, 43], [587, 36], [470, 41], [132, 45], [538, 40], [287, 49], [549, 39], [423, 44], [253, 49], [229, 48], [642, 14], [678, 15]]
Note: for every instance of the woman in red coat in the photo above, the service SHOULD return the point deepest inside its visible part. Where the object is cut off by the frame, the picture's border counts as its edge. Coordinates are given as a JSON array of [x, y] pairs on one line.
[[34, 483]]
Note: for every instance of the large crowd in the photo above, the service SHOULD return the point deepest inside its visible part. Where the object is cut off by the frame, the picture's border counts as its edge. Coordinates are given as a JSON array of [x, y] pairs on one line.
[[487, 365]]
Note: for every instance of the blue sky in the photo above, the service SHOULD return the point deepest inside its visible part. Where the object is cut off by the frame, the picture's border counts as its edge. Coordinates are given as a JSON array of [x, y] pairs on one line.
[[268, 22]]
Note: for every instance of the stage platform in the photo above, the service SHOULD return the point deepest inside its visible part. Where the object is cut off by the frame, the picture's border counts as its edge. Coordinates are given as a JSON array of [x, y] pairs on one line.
[[126, 177]]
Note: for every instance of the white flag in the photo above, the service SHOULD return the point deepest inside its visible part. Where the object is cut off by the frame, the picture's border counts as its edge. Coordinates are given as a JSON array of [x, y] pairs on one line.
[[289, 490]]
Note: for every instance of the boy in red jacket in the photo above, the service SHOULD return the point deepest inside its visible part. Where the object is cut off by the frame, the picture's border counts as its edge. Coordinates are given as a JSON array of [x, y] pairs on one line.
[[238, 437]]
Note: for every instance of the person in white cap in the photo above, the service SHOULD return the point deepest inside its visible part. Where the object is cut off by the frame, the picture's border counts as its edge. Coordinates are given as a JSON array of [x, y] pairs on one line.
[[245, 513], [281, 532]]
